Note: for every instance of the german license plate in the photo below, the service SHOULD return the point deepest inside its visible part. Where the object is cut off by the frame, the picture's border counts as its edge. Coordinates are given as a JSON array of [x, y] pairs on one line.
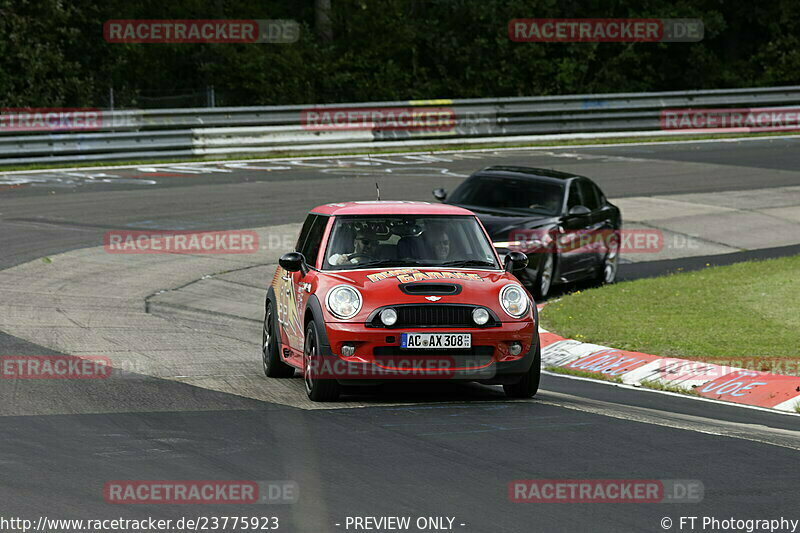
[[426, 341]]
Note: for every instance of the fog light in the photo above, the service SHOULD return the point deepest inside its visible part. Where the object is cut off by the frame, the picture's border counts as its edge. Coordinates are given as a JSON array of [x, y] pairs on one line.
[[480, 316], [389, 317], [348, 350], [515, 348]]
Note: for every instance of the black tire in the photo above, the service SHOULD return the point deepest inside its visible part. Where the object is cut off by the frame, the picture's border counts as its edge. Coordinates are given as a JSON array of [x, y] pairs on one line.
[[607, 272], [528, 385], [274, 367], [318, 390], [544, 277]]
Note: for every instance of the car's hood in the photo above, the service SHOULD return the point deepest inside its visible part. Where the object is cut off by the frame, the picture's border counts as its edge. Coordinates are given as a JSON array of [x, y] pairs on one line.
[[382, 287], [500, 224], [378, 278]]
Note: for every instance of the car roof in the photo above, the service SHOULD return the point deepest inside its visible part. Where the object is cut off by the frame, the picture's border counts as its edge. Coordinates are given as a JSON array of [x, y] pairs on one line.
[[389, 208], [543, 174]]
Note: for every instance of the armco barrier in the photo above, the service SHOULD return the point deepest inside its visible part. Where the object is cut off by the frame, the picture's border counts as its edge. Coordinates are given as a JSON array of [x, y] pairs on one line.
[[218, 132]]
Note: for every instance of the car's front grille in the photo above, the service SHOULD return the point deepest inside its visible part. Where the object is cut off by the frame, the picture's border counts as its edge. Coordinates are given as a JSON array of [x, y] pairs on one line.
[[431, 316]]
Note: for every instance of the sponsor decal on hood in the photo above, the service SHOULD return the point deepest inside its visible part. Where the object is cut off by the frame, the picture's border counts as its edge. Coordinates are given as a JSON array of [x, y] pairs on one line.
[[406, 275]]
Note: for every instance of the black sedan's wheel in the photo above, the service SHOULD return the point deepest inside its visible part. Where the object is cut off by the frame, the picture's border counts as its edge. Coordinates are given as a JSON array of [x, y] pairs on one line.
[[608, 271], [270, 348], [544, 277], [318, 390], [528, 386]]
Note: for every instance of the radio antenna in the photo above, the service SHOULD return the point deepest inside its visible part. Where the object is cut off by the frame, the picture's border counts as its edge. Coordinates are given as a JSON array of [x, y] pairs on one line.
[[377, 188]]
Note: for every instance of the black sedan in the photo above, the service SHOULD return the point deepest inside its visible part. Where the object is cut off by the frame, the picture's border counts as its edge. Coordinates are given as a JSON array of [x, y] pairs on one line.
[[563, 222]]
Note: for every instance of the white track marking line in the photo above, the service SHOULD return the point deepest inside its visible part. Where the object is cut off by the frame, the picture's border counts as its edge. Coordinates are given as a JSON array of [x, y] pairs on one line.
[[417, 152], [676, 394], [784, 438]]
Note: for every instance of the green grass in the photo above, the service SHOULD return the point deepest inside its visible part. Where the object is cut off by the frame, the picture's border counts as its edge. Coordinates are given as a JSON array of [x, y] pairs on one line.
[[747, 311], [389, 150], [656, 385], [582, 373]]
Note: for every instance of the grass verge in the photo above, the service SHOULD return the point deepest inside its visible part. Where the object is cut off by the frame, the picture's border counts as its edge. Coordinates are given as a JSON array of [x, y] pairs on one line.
[[582, 374], [657, 385], [747, 314]]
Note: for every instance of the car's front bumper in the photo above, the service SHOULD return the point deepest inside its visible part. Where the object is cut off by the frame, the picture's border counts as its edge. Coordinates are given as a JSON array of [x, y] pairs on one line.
[[378, 356]]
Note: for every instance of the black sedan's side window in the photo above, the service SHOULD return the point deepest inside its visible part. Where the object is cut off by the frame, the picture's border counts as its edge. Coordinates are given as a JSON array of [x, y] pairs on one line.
[[600, 196], [589, 195], [574, 196]]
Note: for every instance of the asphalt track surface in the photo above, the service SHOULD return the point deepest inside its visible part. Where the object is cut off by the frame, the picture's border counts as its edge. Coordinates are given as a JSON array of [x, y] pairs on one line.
[[452, 452]]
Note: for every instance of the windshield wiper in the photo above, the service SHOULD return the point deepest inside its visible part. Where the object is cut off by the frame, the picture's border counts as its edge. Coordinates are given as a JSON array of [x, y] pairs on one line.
[[388, 262], [467, 263]]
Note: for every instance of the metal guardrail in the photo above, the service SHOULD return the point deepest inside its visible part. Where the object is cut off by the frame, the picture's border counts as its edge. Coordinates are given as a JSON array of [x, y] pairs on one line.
[[203, 132]]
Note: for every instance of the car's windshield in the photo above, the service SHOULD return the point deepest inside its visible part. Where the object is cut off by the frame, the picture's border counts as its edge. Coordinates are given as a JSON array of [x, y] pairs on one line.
[[527, 195], [408, 240]]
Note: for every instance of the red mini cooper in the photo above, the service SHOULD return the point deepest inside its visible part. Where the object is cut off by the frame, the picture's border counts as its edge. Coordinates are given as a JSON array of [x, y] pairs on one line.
[[399, 290]]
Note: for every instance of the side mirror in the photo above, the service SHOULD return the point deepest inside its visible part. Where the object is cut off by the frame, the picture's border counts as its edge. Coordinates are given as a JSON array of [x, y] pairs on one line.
[[292, 262], [515, 261], [579, 210], [440, 194]]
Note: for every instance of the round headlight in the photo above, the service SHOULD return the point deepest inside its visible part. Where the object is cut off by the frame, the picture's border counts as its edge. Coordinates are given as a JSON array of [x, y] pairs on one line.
[[480, 316], [389, 317], [343, 301], [513, 300]]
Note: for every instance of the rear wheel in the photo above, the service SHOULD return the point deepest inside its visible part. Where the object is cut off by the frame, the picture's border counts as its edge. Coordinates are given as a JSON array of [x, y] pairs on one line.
[[318, 390], [528, 386], [274, 367], [544, 277], [608, 270]]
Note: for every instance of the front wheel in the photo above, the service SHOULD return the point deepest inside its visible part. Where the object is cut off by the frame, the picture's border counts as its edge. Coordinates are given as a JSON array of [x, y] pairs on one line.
[[318, 390], [544, 277], [528, 385]]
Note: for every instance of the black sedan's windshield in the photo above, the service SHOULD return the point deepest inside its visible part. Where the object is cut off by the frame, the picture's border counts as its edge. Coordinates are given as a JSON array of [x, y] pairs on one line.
[[540, 197]]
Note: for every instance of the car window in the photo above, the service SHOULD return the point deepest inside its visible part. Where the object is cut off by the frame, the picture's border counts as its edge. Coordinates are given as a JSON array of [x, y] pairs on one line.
[[589, 195], [407, 240], [574, 196], [600, 196], [304, 232], [527, 195], [310, 248]]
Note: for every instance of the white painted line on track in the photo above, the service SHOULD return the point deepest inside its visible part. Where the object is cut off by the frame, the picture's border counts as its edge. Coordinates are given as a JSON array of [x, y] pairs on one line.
[[668, 393], [417, 152]]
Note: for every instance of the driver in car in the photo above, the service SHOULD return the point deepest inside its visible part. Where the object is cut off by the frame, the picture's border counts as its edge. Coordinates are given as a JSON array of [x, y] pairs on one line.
[[365, 246]]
